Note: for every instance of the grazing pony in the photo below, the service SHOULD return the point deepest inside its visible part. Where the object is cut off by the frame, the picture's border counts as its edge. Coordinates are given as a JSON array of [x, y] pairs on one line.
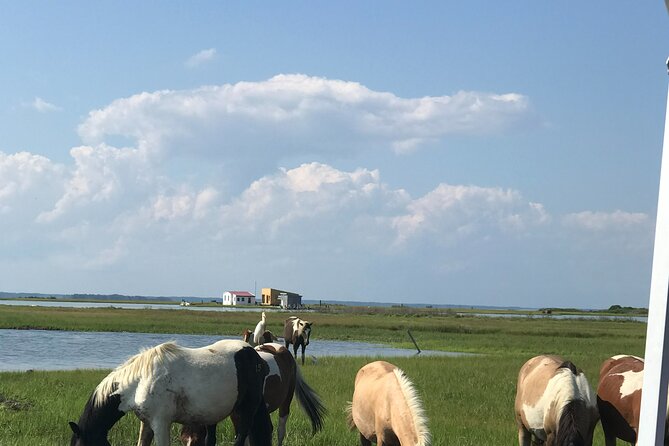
[[169, 383], [260, 329], [296, 331], [554, 403], [619, 398], [386, 408], [284, 380]]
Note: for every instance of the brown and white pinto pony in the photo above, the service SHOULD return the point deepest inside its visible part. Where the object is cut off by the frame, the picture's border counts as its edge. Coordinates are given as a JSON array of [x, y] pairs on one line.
[[267, 336], [554, 403], [619, 398], [283, 381], [296, 331], [386, 409]]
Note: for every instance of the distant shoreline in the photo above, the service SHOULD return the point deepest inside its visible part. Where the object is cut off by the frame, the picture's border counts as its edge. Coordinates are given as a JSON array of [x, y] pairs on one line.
[[614, 310]]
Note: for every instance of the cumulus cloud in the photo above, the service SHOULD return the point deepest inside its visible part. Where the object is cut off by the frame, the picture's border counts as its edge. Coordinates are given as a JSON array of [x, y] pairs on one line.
[[313, 200], [26, 179], [296, 114], [451, 212], [201, 57], [101, 176], [165, 202]]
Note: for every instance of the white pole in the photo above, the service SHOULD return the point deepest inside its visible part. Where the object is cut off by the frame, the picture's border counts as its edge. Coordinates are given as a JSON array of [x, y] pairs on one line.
[[656, 370]]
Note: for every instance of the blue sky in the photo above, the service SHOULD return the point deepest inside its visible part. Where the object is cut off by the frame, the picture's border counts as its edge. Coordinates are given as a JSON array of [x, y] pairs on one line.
[[442, 152]]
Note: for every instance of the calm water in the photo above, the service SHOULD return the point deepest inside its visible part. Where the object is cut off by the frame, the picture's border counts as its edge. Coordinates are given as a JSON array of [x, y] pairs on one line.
[[64, 350], [126, 306]]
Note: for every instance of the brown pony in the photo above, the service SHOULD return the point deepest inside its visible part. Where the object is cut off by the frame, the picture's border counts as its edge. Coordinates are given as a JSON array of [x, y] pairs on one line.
[[297, 331], [619, 398], [284, 381], [554, 403], [386, 408]]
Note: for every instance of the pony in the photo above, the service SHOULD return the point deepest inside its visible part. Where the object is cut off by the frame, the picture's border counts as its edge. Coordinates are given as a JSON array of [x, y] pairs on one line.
[[296, 331], [169, 383], [554, 403], [283, 381], [260, 329], [267, 336], [619, 398], [386, 409]]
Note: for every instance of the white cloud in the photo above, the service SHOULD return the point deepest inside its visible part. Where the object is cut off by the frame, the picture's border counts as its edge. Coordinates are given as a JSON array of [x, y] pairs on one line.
[[313, 200], [27, 181], [296, 114], [166, 202], [454, 212], [597, 221], [201, 57], [43, 106], [101, 176]]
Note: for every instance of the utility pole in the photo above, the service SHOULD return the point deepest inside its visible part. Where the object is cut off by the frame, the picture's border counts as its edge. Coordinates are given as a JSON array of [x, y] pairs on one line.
[[656, 369]]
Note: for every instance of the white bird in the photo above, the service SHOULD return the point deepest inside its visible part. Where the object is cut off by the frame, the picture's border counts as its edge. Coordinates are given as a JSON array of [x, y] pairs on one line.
[[260, 329]]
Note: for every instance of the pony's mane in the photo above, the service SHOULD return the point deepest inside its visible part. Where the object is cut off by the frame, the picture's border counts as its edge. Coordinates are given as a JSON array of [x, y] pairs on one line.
[[415, 407], [139, 366]]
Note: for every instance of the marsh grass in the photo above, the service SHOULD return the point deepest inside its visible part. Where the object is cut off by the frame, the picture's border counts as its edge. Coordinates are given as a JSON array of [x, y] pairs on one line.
[[468, 400]]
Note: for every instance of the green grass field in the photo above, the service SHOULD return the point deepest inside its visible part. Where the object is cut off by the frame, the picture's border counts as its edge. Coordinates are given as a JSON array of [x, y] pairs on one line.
[[469, 400]]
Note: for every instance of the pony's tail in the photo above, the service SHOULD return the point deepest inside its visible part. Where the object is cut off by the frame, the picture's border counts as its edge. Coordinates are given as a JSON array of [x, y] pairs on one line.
[[349, 415], [567, 431], [309, 401]]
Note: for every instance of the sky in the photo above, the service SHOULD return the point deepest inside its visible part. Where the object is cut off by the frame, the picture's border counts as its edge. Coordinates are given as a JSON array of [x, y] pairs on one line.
[[442, 152]]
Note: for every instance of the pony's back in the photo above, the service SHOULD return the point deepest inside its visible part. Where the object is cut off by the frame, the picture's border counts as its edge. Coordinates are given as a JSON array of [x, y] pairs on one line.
[[383, 394], [554, 402]]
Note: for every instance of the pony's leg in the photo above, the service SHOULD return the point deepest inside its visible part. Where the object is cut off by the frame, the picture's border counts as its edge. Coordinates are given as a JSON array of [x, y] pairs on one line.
[[145, 434], [283, 419], [524, 436], [210, 438], [364, 441], [161, 433], [303, 347]]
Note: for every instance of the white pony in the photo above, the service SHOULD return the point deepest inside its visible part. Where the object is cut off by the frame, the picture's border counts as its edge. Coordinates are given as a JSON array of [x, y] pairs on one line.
[[169, 383], [260, 329]]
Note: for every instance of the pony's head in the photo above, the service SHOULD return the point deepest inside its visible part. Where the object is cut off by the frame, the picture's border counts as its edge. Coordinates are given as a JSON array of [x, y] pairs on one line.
[[247, 335], [83, 437], [268, 337], [304, 330]]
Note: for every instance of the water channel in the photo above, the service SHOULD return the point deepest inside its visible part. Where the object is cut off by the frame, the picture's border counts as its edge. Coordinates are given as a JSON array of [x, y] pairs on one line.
[[22, 350]]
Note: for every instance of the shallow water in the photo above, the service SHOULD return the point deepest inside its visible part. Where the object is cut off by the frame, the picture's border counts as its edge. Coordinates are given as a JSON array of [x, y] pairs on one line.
[[65, 350]]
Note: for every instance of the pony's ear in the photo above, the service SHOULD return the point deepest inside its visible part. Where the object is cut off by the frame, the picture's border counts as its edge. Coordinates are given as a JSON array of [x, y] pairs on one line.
[[75, 428]]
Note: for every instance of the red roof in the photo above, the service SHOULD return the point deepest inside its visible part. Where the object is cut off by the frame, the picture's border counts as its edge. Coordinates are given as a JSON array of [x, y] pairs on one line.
[[241, 293]]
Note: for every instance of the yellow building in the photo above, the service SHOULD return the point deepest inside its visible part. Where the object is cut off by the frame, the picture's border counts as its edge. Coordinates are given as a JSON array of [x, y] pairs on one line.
[[274, 297]]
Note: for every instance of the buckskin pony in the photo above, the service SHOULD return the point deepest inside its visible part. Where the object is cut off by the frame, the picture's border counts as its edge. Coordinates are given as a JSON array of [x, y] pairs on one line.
[[554, 403], [386, 409], [283, 381], [169, 383], [296, 332], [619, 398]]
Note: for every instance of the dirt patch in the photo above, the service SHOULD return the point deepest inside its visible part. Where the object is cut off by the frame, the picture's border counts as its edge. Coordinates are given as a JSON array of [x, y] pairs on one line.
[[14, 404]]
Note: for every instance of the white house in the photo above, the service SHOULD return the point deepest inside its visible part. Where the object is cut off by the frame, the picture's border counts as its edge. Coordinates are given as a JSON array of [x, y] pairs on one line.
[[238, 298]]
